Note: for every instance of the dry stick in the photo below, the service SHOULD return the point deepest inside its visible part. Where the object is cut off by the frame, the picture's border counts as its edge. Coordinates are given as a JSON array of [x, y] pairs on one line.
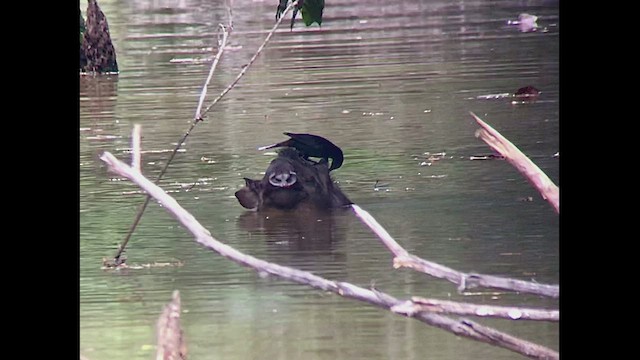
[[417, 304], [253, 59], [170, 342], [463, 280], [198, 116], [203, 94], [531, 171], [135, 159], [203, 236], [496, 337], [143, 207], [230, 13]]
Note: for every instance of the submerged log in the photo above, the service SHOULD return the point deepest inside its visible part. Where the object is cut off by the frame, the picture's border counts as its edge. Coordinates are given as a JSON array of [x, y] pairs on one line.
[[97, 53]]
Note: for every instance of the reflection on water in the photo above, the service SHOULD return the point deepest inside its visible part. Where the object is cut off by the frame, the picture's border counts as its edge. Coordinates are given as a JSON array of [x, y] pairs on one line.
[[301, 230], [391, 83]]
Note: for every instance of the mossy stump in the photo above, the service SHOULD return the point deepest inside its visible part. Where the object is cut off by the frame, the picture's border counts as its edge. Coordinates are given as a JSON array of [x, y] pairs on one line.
[[97, 54]]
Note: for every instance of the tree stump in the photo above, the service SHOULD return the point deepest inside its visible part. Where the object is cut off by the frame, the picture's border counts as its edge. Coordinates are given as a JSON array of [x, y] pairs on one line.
[[97, 53]]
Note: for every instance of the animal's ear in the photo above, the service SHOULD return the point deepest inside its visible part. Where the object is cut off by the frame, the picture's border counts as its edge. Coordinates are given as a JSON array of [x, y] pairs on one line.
[[248, 198], [252, 184]]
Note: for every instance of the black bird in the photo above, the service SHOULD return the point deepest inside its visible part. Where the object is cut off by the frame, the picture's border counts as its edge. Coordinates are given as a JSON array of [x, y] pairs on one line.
[[312, 145]]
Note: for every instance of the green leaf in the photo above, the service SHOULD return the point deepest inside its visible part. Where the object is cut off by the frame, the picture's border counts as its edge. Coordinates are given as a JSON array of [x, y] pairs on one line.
[[312, 11]]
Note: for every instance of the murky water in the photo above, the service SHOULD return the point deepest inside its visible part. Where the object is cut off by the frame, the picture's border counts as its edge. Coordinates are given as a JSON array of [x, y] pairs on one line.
[[391, 83]]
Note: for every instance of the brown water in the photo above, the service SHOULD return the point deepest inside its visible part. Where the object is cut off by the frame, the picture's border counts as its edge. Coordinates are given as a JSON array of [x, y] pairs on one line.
[[387, 82]]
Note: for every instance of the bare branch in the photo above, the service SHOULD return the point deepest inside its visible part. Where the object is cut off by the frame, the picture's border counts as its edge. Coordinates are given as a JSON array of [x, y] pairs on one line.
[[253, 59], [198, 117], [526, 348], [221, 45], [531, 171], [463, 280], [171, 344], [417, 304], [135, 147], [230, 13], [373, 224], [264, 268]]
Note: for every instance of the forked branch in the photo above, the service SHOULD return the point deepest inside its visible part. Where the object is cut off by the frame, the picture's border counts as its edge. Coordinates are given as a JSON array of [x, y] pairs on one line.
[[463, 280], [463, 328], [198, 117]]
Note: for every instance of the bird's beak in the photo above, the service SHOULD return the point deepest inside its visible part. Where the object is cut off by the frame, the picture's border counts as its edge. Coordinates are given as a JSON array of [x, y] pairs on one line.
[[267, 147]]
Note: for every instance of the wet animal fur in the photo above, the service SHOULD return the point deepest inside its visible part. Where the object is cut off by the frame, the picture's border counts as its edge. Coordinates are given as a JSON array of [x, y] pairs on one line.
[[313, 186]]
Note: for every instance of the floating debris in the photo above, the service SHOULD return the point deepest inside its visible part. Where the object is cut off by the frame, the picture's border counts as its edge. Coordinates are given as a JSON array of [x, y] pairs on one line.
[[191, 60], [380, 186], [103, 137], [207, 160], [526, 22], [523, 94], [494, 96], [161, 151], [109, 264], [487, 157], [527, 92]]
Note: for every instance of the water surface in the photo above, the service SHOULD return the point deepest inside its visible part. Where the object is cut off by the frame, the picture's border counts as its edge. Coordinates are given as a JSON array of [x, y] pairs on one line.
[[391, 83]]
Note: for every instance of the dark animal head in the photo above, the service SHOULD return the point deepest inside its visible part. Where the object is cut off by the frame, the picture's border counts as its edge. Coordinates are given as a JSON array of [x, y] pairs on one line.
[[290, 182]]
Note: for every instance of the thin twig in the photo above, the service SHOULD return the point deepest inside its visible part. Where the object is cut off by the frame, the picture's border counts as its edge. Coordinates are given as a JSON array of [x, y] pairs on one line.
[[230, 13], [253, 59], [463, 280], [135, 147], [198, 116], [520, 161], [221, 45], [347, 290]]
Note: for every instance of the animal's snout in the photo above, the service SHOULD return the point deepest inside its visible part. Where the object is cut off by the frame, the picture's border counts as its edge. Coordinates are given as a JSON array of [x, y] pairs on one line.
[[283, 179]]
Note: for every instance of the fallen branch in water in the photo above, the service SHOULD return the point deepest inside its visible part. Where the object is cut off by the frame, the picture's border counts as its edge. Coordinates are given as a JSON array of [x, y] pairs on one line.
[[463, 328], [520, 161], [464, 280], [417, 304], [171, 344], [198, 115]]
